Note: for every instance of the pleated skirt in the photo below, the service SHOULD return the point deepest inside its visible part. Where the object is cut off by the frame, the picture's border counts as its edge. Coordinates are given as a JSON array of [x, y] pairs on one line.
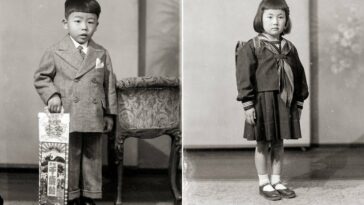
[[274, 120]]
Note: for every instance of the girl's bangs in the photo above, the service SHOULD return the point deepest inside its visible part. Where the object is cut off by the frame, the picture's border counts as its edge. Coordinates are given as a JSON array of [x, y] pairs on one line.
[[281, 5]]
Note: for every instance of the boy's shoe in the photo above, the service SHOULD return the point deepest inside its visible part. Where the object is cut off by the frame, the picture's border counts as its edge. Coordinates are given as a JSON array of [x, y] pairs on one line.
[[285, 193], [88, 201], [270, 195], [74, 202]]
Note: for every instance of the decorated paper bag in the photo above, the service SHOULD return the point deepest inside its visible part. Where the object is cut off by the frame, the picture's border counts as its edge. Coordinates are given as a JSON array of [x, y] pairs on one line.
[[53, 158]]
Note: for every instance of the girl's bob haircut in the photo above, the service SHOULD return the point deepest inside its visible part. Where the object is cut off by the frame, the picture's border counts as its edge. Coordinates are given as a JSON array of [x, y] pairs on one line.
[[271, 4]]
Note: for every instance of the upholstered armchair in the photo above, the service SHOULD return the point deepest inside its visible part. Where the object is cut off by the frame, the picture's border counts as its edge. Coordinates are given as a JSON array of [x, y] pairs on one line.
[[149, 107]]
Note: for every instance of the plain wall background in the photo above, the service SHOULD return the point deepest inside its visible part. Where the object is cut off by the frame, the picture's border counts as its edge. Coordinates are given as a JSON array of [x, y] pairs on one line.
[[338, 32], [211, 115], [159, 57], [27, 28]]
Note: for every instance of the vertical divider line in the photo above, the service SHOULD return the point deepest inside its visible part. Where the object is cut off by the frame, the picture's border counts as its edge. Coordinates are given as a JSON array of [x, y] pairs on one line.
[[314, 71], [142, 13]]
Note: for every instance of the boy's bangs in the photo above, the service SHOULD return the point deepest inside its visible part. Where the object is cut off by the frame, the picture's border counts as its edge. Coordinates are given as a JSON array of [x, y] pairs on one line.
[[81, 9], [82, 6]]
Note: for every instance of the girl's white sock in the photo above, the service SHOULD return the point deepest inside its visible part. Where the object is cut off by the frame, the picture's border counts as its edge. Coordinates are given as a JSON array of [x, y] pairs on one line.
[[264, 179], [277, 179]]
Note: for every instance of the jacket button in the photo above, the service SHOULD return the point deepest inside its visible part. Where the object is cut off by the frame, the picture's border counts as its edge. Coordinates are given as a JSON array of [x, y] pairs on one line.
[[94, 101], [76, 99], [94, 80]]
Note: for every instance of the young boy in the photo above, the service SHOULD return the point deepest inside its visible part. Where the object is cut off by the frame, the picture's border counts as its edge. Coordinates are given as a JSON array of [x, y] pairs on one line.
[[76, 74]]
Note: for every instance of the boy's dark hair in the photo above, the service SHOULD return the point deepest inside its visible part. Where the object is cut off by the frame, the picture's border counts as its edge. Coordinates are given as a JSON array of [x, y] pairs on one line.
[[271, 4], [87, 6]]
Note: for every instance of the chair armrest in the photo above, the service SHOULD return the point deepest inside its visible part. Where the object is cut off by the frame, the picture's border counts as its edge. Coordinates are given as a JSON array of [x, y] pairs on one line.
[[147, 82]]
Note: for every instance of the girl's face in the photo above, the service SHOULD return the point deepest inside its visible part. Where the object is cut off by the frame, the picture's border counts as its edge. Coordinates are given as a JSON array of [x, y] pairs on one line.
[[274, 22]]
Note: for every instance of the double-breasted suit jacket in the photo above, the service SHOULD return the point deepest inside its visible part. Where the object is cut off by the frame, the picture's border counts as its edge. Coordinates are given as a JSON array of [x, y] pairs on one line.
[[87, 87]]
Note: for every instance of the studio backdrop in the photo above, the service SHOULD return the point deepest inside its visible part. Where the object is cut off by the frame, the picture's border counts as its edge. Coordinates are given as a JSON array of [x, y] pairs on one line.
[[212, 118]]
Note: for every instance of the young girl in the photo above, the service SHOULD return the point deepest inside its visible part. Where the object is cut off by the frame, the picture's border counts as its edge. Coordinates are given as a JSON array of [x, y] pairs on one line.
[[272, 87]]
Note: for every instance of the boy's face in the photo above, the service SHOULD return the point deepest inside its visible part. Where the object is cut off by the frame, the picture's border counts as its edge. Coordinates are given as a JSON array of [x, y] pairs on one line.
[[81, 26]]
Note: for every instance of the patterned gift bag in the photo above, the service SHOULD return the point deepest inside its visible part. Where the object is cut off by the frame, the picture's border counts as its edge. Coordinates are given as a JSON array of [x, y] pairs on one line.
[[53, 158]]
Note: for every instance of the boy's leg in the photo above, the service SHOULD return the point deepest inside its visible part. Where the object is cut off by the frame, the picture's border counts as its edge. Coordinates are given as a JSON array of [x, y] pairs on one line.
[[75, 145], [92, 165]]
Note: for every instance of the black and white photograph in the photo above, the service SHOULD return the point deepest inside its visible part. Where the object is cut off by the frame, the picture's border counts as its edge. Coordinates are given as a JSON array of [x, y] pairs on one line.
[[272, 102], [181, 102], [90, 102]]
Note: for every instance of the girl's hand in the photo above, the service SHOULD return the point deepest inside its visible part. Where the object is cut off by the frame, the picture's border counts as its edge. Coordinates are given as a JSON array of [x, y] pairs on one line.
[[250, 116], [55, 104]]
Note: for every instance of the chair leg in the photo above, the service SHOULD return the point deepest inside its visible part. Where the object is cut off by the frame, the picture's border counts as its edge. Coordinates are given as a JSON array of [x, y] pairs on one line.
[[174, 160], [120, 167], [112, 166], [119, 185]]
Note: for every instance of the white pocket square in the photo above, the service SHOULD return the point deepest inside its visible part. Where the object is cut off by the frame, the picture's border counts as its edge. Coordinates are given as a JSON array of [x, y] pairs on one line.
[[99, 64]]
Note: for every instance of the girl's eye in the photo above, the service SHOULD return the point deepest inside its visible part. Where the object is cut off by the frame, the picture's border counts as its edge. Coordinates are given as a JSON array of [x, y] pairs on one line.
[[77, 21]]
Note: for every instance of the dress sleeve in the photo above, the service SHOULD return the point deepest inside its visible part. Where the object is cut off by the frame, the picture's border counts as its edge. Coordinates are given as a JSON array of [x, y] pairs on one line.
[[245, 75], [302, 88]]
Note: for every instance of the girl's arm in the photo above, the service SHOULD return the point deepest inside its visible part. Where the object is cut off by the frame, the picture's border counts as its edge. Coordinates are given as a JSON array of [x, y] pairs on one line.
[[302, 91], [245, 71]]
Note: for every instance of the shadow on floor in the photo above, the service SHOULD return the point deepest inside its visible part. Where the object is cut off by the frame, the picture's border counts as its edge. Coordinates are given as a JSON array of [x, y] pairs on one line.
[[147, 187], [321, 163], [328, 163]]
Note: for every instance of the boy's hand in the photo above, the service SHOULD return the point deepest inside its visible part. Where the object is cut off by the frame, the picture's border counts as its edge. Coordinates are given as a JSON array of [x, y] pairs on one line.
[[109, 123], [250, 116], [55, 104]]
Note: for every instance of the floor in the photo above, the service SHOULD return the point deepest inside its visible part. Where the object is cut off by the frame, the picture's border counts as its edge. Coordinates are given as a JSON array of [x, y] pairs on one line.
[[141, 187], [325, 175]]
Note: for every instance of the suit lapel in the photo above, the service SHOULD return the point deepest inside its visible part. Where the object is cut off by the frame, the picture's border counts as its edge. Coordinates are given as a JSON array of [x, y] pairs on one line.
[[69, 53], [89, 62]]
